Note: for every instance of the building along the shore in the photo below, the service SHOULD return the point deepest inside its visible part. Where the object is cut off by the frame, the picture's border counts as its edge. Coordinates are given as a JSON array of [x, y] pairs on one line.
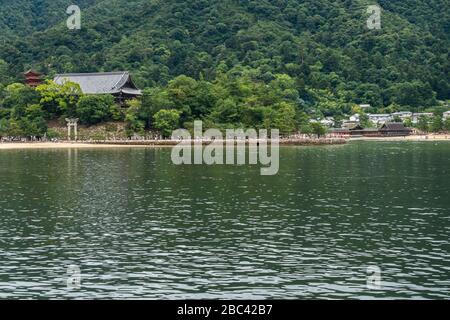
[[403, 115], [386, 130], [118, 84], [446, 115], [394, 130], [416, 116], [378, 119]]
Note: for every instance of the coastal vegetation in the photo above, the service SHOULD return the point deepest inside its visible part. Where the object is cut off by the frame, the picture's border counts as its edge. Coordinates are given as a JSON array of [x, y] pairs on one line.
[[256, 64]]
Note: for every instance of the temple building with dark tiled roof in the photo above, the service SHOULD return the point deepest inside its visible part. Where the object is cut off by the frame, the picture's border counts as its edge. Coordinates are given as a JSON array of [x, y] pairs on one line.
[[118, 84], [386, 130], [394, 129]]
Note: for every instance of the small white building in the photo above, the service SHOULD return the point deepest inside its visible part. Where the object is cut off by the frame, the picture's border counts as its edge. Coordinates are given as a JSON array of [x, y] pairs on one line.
[[403, 115], [365, 106], [328, 121], [378, 119], [446, 115], [347, 124], [355, 117], [416, 116]]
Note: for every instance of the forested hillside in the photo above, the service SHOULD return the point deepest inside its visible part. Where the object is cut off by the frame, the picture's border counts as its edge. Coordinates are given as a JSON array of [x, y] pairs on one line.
[[322, 49], [23, 17]]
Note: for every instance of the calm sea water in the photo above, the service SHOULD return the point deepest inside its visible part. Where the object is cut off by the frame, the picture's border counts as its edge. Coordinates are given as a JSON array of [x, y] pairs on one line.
[[139, 227]]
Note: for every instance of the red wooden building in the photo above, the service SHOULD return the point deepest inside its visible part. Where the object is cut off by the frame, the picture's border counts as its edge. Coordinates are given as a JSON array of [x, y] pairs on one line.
[[33, 78]]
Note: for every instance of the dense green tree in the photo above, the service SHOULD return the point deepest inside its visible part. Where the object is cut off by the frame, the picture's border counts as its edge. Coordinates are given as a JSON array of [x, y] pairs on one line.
[[226, 112], [153, 100], [33, 127], [282, 117], [15, 129], [59, 100], [408, 123], [4, 72], [415, 94], [307, 129], [436, 124], [424, 124], [92, 109], [318, 129], [446, 125], [134, 124], [364, 121], [18, 95], [397, 119], [166, 121], [4, 126]]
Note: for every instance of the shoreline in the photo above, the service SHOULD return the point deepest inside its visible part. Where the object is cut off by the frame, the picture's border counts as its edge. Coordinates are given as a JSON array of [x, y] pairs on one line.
[[151, 144], [59, 145], [411, 138], [168, 143]]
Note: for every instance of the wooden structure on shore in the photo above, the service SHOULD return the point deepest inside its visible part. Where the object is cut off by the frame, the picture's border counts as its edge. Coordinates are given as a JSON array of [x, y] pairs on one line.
[[394, 130], [72, 123], [386, 130]]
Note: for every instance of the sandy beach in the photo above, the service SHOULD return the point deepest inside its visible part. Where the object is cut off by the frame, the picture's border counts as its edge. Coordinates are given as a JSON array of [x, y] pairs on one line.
[[153, 144], [441, 137], [65, 145]]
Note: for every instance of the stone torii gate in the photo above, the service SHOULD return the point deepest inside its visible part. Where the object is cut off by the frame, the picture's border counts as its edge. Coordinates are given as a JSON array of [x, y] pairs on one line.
[[72, 123]]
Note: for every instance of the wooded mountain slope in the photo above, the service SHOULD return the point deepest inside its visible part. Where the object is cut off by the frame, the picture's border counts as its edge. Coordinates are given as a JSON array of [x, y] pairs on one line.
[[322, 44]]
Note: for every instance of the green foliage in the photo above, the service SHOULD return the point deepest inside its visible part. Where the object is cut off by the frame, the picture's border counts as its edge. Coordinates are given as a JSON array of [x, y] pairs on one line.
[[4, 126], [282, 117], [133, 122], [306, 129], [18, 95], [408, 123], [364, 121], [92, 109], [116, 112], [166, 121], [21, 115], [424, 123], [53, 134], [36, 127], [238, 63], [446, 125], [320, 44], [153, 100], [4, 72], [436, 124], [318, 129], [59, 100], [414, 94], [23, 127]]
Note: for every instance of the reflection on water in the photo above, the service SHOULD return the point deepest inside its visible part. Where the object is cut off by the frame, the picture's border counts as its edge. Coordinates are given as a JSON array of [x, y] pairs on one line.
[[139, 227]]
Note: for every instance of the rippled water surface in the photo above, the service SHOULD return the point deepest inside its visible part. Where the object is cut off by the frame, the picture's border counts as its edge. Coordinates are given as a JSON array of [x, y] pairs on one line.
[[139, 227]]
